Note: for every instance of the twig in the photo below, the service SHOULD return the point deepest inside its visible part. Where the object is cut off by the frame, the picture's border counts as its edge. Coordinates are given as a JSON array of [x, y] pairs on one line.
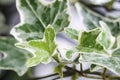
[[81, 68], [73, 70], [84, 74], [56, 74], [36, 78], [65, 75], [93, 77], [115, 77], [104, 74]]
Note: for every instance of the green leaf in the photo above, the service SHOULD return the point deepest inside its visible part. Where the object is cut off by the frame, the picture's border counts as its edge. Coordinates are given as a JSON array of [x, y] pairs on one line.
[[43, 49], [112, 63], [41, 56], [91, 20], [58, 69], [36, 15], [109, 5], [105, 38], [88, 42], [98, 40], [72, 33], [94, 67], [75, 76], [13, 57], [70, 53]]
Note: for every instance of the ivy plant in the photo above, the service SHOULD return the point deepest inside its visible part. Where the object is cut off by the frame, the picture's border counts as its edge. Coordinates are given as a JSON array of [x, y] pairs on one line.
[[41, 21]]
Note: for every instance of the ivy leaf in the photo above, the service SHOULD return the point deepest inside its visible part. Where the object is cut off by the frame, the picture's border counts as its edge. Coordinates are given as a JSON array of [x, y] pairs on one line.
[[36, 15], [13, 57], [72, 33], [75, 76], [71, 52], [105, 38], [58, 69], [109, 5], [43, 50], [88, 42], [41, 56], [112, 63], [91, 20]]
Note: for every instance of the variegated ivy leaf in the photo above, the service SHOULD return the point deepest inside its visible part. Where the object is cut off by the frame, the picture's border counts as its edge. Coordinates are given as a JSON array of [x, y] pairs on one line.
[[92, 18], [58, 69], [43, 49], [70, 53], [98, 40], [72, 33], [36, 15], [112, 63], [105, 38], [88, 42], [13, 57]]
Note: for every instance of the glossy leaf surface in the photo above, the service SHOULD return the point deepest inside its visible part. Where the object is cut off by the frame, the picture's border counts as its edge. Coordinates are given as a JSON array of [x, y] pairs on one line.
[[92, 18], [43, 49], [36, 15], [112, 63]]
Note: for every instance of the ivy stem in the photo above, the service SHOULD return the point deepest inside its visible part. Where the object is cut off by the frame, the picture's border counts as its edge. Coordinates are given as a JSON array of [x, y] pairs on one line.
[[115, 77], [81, 73], [36, 78], [104, 73], [29, 73], [65, 75], [81, 67], [93, 77], [73, 70]]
